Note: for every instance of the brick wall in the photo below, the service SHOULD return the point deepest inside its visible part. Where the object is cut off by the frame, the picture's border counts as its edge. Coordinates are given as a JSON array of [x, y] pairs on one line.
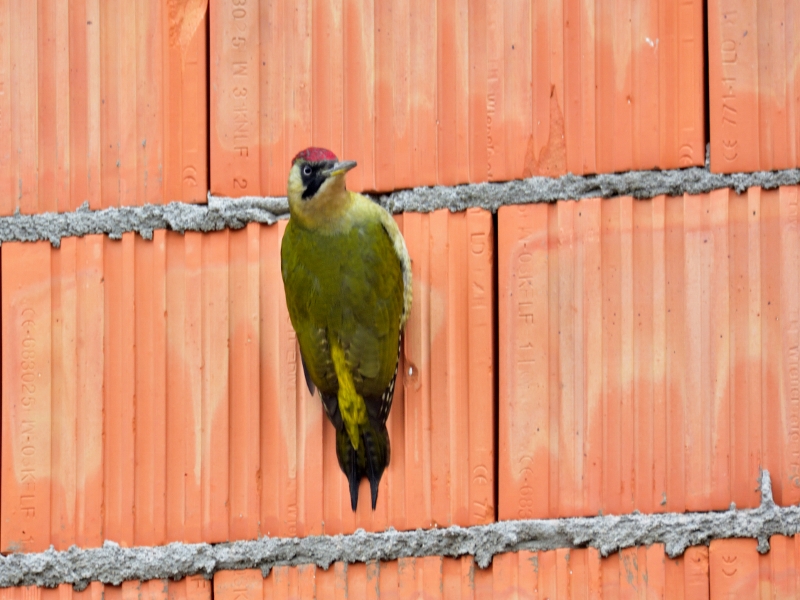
[[563, 358]]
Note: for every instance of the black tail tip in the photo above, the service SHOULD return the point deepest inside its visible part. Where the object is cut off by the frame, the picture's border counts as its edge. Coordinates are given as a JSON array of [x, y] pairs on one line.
[[354, 479], [354, 482], [376, 444], [369, 461], [373, 487]]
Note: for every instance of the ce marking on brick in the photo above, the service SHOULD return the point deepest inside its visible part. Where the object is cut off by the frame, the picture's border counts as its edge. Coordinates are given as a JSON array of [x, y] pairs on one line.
[[728, 566]]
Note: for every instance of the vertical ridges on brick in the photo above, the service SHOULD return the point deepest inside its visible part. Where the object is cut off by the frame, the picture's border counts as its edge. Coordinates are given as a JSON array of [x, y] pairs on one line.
[[643, 572], [244, 381], [189, 588], [753, 86], [790, 333], [328, 67], [479, 384], [119, 390], [235, 107], [177, 356], [523, 361], [734, 568], [77, 300], [27, 397], [357, 34], [642, 344], [454, 91], [151, 391], [185, 142], [102, 104], [7, 170]]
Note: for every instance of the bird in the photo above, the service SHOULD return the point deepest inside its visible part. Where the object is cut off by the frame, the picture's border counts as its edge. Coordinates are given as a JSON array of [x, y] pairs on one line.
[[347, 279]]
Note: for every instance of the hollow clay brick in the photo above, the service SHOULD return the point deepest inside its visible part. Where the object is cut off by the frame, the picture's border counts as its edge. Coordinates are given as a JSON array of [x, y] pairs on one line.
[[453, 91], [157, 394], [647, 353], [102, 102]]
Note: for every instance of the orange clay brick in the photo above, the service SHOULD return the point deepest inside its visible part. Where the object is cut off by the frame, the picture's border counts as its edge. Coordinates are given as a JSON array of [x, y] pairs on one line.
[[739, 571], [780, 575], [644, 572], [642, 346], [156, 392], [453, 91], [754, 85], [431, 577], [101, 102], [641, 573], [734, 569], [190, 588], [694, 567]]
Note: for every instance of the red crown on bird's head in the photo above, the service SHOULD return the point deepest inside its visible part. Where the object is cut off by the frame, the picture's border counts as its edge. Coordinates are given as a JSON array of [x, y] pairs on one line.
[[315, 155]]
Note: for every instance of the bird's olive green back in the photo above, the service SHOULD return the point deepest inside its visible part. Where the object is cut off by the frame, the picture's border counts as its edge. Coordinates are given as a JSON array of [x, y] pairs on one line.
[[347, 284]]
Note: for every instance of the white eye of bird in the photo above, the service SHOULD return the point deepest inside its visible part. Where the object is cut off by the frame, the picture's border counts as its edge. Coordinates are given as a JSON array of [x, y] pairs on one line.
[[306, 170]]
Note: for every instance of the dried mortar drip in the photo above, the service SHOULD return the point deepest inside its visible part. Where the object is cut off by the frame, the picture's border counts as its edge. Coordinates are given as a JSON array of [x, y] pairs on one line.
[[113, 564]]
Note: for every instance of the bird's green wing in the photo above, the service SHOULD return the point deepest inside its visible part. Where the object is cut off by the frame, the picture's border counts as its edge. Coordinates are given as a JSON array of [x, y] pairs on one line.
[[302, 289], [370, 328], [356, 287]]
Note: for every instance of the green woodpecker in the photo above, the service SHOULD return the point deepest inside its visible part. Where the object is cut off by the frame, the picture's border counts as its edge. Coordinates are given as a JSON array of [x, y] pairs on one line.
[[347, 278]]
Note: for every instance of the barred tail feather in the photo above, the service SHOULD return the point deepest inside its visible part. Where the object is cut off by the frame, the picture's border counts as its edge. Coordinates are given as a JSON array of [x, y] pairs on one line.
[[377, 450], [370, 460]]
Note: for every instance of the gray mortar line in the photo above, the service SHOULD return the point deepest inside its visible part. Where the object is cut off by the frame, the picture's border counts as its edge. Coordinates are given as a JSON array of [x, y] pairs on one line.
[[144, 220], [235, 213], [639, 184], [112, 564]]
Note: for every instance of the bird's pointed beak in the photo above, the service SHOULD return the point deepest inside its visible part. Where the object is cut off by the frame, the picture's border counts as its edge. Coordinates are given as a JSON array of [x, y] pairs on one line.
[[340, 167]]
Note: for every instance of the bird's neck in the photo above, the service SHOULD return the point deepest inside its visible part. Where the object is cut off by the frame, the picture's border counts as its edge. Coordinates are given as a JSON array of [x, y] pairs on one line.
[[327, 211]]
